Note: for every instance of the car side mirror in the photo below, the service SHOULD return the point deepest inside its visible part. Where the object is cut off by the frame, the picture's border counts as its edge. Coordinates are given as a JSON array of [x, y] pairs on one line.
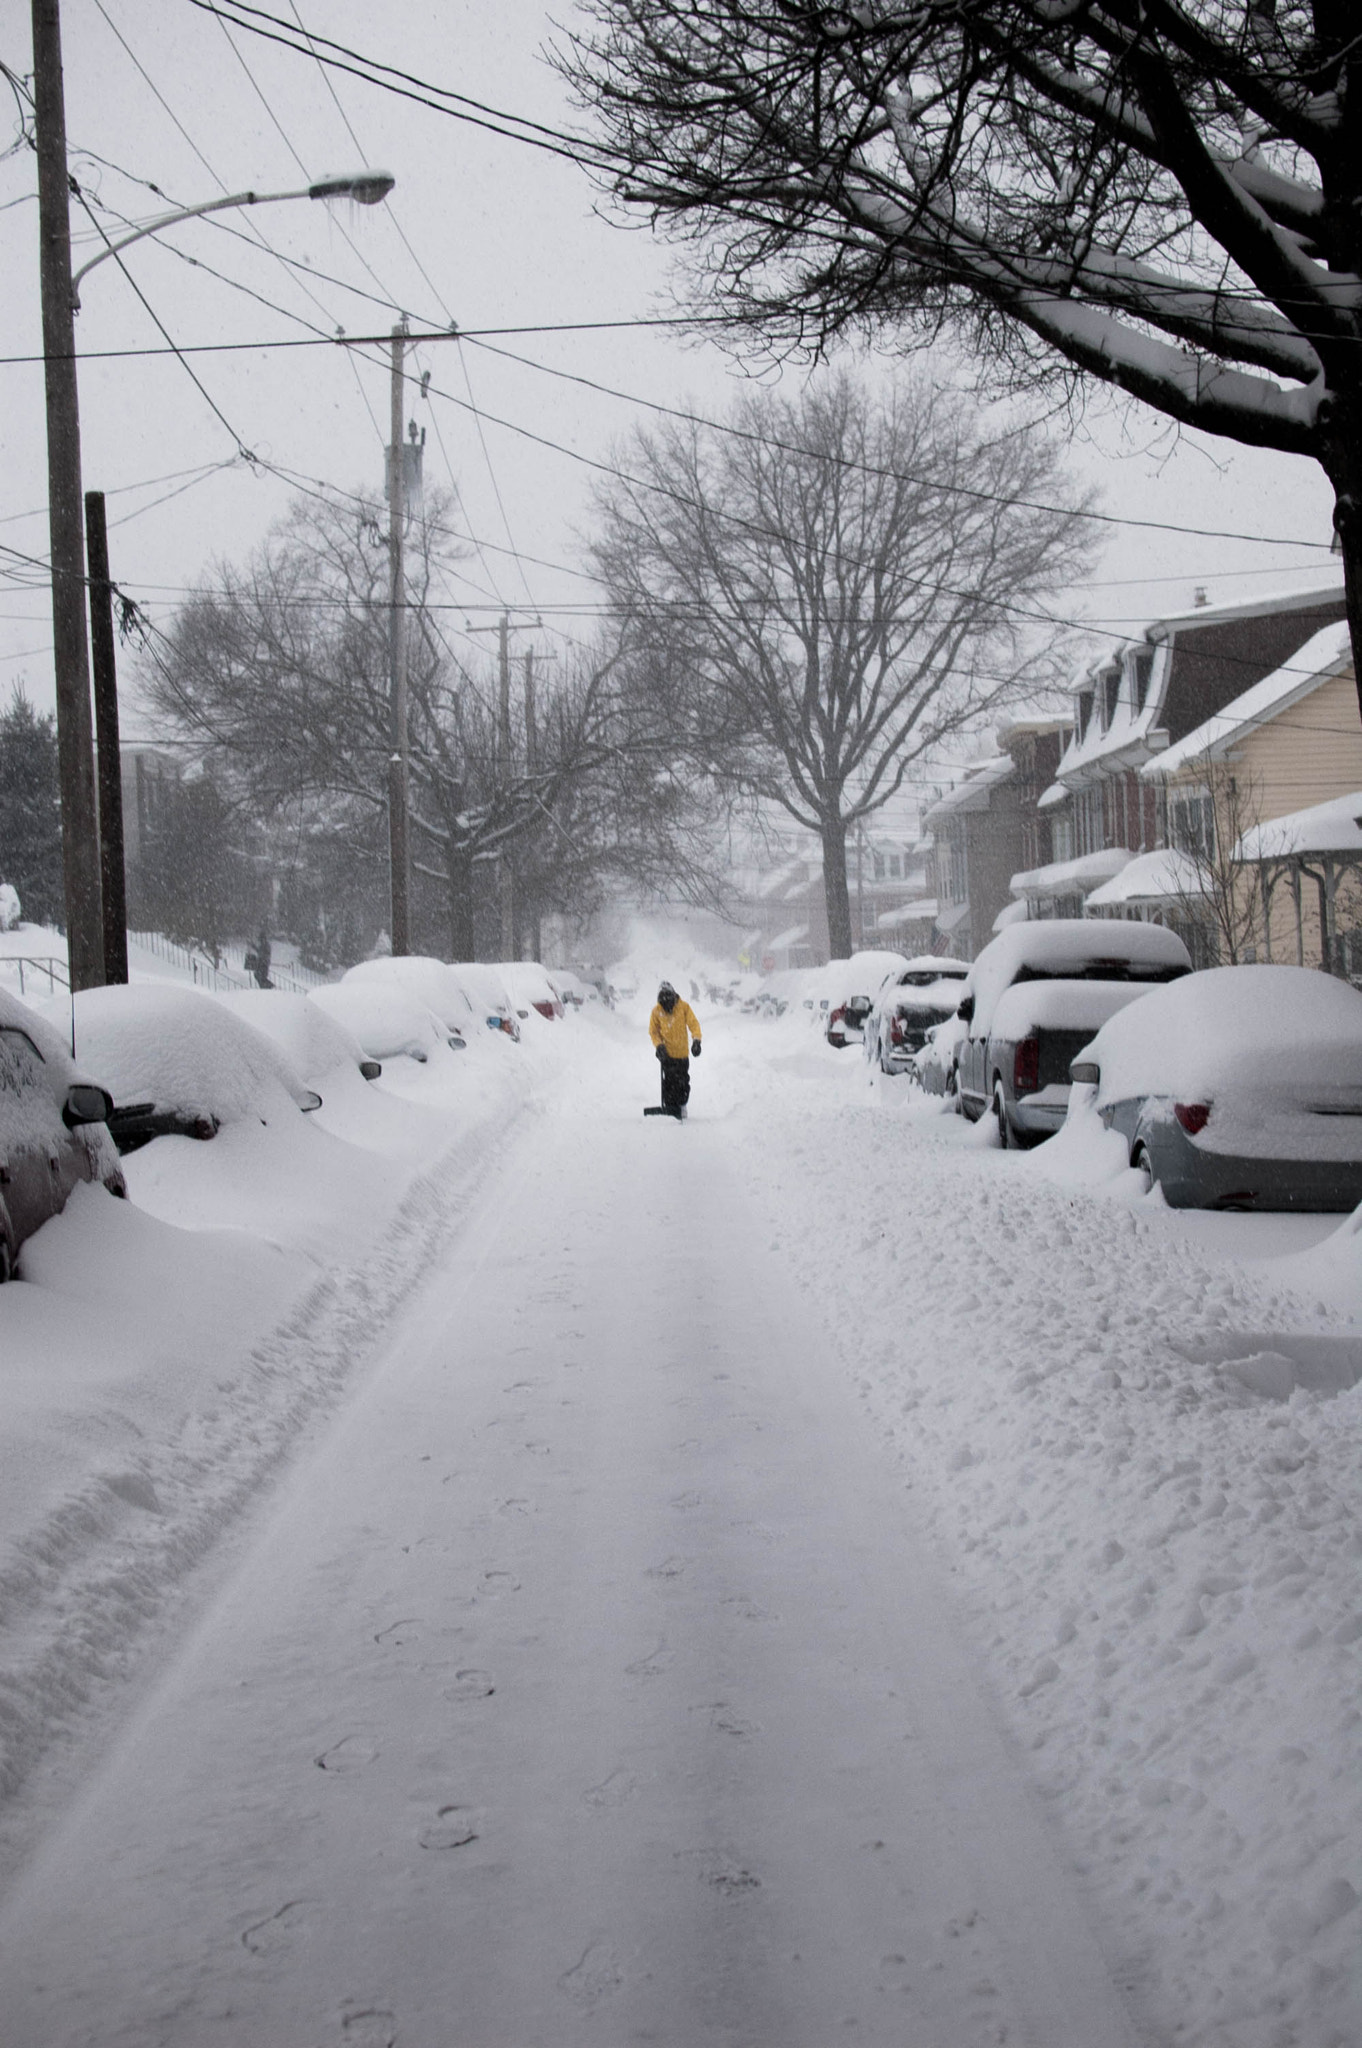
[[1081, 1071], [371, 1069], [966, 1009], [312, 1100], [86, 1104]]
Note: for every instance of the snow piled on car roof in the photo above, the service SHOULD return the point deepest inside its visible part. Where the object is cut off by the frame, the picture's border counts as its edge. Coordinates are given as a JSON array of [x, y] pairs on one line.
[[1066, 945], [1265, 1030], [313, 1042]]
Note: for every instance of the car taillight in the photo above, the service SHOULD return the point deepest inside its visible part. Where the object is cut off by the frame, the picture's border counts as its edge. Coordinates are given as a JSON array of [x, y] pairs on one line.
[[896, 1031], [1026, 1067], [1193, 1116], [838, 1014]]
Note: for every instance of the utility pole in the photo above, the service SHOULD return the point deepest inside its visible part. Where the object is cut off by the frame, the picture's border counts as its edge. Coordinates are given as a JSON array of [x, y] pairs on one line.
[[398, 833], [531, 762], [113, 885], [507, 878], [75, 742]]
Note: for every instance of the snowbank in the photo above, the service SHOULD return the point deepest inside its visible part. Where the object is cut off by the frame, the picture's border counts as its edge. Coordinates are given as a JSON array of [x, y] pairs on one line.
[[1140, 1454]]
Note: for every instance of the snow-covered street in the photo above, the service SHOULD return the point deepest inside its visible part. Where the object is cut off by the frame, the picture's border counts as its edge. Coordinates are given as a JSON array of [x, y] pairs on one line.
[[796, 1576]]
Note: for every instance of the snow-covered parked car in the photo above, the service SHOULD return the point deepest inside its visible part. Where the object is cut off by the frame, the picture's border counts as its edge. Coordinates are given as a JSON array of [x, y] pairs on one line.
[[433, 983], [531, 989], [910, 1003], [1237, 1088], [1033, 998], [570, 989], [53, 1128], [933, 1067], [386, 1022], [850, 988], [178, 1063], [488, 996], [313, 1043]]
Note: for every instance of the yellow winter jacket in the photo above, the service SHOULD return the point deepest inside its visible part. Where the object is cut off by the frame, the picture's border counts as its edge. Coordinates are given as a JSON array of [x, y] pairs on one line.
[[674, 1033]]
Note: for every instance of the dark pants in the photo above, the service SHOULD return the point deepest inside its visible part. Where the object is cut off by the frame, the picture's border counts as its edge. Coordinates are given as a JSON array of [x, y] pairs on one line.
[[675, 1084]]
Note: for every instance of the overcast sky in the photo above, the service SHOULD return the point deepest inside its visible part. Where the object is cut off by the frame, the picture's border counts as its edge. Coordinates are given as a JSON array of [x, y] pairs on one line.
[[480, 230]]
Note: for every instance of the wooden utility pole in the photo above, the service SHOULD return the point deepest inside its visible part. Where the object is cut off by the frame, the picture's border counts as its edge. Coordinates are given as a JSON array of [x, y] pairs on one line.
[[398, 833], [71, 654], [507, 878], [113, 886]]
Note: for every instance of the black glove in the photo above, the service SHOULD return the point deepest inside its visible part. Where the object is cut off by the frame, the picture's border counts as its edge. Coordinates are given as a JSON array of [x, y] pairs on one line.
[[661, 1054], [695, 1048]]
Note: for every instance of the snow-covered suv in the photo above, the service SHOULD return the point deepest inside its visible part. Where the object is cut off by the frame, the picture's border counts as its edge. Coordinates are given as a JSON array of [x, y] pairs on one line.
[[1033, 999]]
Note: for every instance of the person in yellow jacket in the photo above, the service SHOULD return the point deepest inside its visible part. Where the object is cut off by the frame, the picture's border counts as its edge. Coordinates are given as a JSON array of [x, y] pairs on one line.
[[675, 1031]]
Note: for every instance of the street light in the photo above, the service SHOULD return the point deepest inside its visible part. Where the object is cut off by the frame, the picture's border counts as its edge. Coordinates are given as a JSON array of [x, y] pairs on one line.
[[366, 188], [66, 522]]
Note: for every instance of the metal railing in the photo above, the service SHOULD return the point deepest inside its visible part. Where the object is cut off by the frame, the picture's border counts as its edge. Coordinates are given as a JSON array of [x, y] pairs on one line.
[[52, 965]]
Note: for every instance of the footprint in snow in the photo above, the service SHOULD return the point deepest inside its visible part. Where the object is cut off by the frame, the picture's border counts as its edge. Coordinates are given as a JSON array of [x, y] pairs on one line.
[[470, 1685], [593, 1978], [266, 1937], [368, 2026], [454, 1827], [351, 1753], [396, 1633], [612, 1791], [650, 1666]]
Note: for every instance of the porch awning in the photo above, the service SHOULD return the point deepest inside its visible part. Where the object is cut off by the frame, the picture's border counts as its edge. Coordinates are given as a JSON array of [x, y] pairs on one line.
[[791, 937]]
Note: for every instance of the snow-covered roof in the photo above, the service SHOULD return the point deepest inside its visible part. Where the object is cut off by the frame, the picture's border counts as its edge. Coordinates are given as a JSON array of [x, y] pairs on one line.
[[976, 786], [1323, 657], [1072, 877], [1161, 877], [790, 937], [1011, 913], [1333, 827], [918, 911], [1135, 729], [1055, 794]]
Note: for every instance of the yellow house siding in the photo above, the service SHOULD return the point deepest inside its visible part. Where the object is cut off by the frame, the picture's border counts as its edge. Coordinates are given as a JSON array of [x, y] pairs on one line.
[[1308, 754]]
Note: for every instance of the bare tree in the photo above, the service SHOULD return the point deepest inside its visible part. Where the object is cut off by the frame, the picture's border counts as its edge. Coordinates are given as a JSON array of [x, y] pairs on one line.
[[1165, 195], [828, 589], [281, 669], [1219, 896]]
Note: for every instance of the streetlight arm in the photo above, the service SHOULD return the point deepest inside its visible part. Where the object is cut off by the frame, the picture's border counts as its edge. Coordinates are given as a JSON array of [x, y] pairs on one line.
[[367, 187]]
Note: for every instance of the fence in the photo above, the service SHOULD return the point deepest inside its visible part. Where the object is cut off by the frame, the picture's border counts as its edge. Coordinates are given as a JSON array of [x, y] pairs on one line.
[[207, 973]]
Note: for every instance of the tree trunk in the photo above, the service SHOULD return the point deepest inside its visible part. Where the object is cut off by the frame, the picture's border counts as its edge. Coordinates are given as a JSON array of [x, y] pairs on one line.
[[835, 893], [462, 945], [1342, 460]]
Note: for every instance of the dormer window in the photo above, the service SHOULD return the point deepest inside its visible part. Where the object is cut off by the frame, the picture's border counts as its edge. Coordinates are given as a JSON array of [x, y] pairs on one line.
[[1111, 689]]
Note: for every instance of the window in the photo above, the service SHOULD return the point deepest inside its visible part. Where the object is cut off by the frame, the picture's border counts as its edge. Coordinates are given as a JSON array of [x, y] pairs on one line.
[[895, 866], [1112, 692], [1062, 838], [1191, 822]]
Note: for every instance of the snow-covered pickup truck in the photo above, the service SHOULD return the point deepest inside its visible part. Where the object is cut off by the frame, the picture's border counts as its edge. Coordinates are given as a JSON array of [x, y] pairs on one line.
[[1034, 998]]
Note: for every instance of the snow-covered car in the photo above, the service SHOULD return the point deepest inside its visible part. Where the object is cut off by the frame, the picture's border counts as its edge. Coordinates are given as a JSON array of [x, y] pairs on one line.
[[1237, 1088], [531, 989], [570, 989], [178, 1063], [487, 995], [925, 993], [387, 1022], [1013, 1059], [850, 992], [312, 1042], [933, 1066], [53, 1128], [433, 983]]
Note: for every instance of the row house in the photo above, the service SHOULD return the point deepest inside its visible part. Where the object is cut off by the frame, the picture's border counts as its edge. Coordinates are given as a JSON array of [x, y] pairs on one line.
[[1142, 700], [1243, 799]]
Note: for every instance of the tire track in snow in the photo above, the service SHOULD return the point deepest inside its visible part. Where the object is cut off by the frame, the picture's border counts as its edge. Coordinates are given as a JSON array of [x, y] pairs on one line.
[[80, 1593]]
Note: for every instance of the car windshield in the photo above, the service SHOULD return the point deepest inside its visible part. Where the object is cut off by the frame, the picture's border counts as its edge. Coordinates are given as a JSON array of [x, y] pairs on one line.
[[1104, 970]]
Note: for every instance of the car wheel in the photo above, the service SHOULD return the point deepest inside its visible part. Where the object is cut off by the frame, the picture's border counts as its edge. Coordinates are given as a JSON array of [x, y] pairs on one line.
[[1144, 1166], [1006, 1136]]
